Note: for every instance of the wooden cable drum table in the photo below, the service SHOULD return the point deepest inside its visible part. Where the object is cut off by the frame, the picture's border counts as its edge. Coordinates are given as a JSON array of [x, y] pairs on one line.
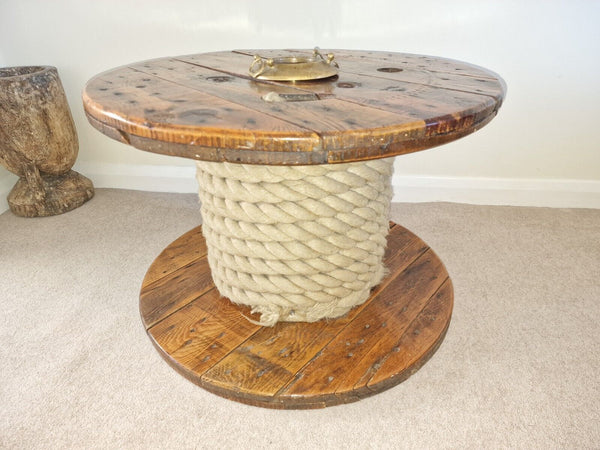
[[296, 292]]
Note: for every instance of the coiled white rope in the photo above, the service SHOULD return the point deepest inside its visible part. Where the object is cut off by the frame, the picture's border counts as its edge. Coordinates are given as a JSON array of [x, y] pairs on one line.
[[296, 243]]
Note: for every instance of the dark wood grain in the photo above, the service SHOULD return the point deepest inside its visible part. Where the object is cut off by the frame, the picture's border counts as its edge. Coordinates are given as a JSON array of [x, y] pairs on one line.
[[188, 248], [207, 107], [372, 335], [140, 104], [180, 286], [376, 345], [340, 124]]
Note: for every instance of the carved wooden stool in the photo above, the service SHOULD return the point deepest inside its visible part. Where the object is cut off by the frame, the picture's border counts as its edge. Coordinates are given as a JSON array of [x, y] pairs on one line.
[[38, 142], [235, 109]]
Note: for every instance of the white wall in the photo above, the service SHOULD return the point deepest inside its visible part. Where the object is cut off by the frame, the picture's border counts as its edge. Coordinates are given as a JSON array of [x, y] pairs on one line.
[[542, 149]]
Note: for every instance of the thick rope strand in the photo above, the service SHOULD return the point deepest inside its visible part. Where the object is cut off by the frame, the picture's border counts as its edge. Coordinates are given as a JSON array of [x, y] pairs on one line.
[[296, 243]]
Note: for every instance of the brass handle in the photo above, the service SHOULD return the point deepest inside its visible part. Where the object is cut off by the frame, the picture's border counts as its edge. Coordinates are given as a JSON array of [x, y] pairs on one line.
[[328, 59], [291, 68], [259, 65]]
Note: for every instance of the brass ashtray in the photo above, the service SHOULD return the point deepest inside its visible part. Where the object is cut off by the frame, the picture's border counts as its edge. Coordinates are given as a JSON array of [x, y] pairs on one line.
[[294, 68]]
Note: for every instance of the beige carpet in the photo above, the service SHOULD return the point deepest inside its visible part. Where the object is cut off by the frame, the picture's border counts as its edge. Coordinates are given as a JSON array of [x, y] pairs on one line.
[[519, 368]]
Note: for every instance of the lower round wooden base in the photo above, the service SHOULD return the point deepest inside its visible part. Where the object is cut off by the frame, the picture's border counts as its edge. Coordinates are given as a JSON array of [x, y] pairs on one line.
[[377, 345]]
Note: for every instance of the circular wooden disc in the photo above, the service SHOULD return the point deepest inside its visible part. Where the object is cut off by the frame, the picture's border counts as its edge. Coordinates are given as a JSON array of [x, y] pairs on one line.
[[208, 107], [379, 344]]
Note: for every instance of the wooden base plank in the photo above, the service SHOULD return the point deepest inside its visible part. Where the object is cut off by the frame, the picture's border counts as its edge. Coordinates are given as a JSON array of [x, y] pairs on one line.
[[378, 344]]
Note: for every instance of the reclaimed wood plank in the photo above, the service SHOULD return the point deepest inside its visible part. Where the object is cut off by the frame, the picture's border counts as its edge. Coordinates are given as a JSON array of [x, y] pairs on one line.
[[428, 141], [362, 342], [234, 155], [186, 249], [148, 106], [178, 288], [338, 123], [443, 111], [435, 64], [415, 69], [197, 336], [407, 60], [443, 81], [424, 332]]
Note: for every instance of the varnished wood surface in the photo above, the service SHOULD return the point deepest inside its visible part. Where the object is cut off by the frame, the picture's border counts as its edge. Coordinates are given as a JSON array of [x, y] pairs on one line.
[[377, 345], [207, 107]]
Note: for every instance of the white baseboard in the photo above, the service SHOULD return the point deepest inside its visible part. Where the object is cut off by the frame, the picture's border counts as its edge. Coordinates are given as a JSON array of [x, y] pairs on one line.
[[160, 178], [557, 193], [553, 193]]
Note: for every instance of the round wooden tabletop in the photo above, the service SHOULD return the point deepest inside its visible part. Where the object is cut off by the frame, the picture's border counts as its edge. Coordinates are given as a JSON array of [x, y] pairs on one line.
[[208, 107]]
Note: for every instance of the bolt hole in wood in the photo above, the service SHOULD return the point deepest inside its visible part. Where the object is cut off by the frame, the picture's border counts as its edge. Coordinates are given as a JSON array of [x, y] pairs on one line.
[[347, 84], [389, 69], [220, 79]]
